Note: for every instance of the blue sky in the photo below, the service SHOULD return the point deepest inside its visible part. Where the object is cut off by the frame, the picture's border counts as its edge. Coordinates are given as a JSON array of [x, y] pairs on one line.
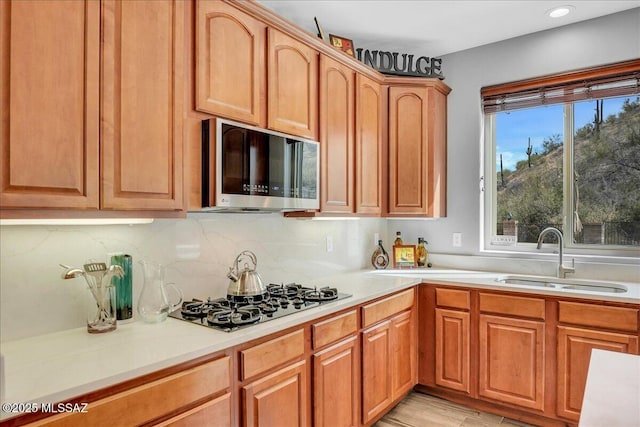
[[513, 129]]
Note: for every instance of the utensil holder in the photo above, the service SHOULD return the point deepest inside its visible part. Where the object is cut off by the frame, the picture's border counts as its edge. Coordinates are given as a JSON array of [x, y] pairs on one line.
[[101, 309]]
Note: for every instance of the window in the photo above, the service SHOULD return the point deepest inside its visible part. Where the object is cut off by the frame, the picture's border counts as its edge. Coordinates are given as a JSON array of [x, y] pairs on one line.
[[564, 152]]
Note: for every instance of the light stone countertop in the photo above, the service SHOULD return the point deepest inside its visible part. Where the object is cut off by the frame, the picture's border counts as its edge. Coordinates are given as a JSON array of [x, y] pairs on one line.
[[59, 366], [612, 390]]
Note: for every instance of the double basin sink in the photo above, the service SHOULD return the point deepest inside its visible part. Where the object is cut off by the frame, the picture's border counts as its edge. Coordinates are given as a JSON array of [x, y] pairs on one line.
[[564, 284], [568, 284]]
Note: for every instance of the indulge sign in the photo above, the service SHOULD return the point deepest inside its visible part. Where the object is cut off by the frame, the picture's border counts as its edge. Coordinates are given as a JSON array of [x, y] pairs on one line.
[[401, 64]]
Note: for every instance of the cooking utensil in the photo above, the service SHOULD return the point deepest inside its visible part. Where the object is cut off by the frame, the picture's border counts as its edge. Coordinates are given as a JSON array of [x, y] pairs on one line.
[[96, 269], [71, 272], [246, 282], [101, 314]]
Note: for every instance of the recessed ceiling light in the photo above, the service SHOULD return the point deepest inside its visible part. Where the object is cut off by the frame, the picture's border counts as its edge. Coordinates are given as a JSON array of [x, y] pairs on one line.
[[558, 12]]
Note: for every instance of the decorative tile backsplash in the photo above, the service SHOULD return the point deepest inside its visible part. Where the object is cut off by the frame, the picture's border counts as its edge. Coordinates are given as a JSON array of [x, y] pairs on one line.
[[197, 252]]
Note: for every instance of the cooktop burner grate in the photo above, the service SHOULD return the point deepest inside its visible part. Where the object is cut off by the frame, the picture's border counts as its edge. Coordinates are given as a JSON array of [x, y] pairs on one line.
[[235, 312]]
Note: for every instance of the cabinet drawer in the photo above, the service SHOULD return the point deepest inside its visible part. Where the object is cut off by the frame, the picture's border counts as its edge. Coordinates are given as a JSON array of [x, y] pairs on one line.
[[149, 401], [218, 409], [512, 306], [620, 318], [453, 298], [377, 311], [333, 329], [265, 356]]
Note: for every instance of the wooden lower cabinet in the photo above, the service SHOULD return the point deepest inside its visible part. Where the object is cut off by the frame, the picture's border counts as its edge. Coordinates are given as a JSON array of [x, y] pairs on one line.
[[452, 349], [279, 399], [574, 353], [583, 327], [335, 385], [512, 361], [376, 369], [388, 364], [217, 411], [524, 356], [403, 354], [160, 399]]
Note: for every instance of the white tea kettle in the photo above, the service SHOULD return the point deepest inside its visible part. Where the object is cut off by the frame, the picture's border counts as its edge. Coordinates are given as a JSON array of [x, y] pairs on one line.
[[245, 283]]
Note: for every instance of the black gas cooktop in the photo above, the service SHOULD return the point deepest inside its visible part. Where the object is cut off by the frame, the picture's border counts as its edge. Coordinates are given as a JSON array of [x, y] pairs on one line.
[[232, 313]]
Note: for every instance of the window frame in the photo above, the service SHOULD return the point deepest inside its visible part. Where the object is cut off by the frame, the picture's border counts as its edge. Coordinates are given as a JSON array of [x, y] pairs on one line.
[[488, 200]]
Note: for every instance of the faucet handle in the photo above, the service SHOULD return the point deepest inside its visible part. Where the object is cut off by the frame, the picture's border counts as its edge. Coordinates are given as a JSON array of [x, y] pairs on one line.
[[571, 269]]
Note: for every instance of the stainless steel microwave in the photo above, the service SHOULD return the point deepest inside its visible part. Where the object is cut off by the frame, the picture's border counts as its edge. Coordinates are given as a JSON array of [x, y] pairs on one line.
[[245, 168]]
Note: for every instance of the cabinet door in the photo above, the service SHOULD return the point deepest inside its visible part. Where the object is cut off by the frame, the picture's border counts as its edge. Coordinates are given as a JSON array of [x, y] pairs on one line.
[[403, 354], [407, 150], [336, 136], [369, 146], [574, 354], [417, 151], [335, 388], [292, 86], [376, 371], [230, 49], [50, 104], [452, 349], [512, 361], [142, 104], [280, 399]]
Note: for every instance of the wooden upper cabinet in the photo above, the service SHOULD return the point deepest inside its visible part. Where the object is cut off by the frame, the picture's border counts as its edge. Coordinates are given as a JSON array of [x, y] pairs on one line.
[[369, 146], [417, 149], [50, 104], [336, 136], [142, 92], [292, 86], [230, 61]]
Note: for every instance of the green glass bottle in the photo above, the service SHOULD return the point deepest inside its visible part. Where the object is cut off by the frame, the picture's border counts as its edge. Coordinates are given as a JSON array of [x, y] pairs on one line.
[[124, 297]]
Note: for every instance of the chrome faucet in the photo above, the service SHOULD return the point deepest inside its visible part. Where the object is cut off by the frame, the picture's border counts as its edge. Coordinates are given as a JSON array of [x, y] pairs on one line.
[[562, 270]]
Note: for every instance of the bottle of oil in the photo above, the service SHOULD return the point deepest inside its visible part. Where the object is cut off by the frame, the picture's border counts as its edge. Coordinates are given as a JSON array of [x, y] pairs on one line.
[[398, 240], [421, 252]]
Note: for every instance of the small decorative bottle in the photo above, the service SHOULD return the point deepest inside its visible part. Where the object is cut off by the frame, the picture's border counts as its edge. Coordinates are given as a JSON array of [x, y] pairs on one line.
[[380, 258], [398, 240], [421, 252]]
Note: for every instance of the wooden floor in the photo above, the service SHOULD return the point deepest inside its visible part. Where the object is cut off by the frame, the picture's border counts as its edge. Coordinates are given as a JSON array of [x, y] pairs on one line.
[[421, 410]]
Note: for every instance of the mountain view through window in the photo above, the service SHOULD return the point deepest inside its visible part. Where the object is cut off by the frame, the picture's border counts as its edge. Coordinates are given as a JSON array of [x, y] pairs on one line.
[[586, 184]]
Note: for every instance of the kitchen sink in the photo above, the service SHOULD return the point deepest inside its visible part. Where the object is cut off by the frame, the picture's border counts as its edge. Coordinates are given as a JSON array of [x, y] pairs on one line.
[[564, 284]]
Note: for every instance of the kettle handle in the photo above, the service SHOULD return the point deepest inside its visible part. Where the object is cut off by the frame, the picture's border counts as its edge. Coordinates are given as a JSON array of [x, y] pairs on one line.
[[251, 256], [234, 271]]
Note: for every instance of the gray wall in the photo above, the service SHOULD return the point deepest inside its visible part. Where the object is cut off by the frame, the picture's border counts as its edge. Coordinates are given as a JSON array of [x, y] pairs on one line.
[[590, 43]]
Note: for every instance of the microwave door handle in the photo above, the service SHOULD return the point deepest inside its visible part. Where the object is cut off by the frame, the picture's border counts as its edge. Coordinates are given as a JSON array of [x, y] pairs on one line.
[[299, 155]]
